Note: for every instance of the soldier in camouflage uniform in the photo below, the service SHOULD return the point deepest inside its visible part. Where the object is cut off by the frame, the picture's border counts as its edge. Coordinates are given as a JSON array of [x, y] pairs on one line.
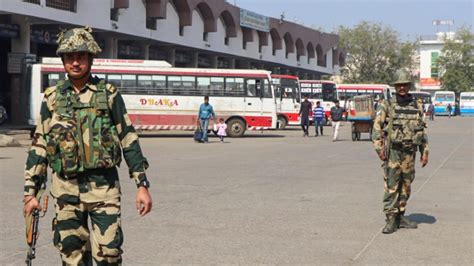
[[81, 134], [399, 131]]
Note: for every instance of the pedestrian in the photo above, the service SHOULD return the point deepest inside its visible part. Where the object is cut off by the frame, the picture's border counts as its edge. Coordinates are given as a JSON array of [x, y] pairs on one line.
[[449, 109], [336, 117], [318, 118], [82, 131], [206, 112], [221, 129], [305, 110], [431, 111], [398, 132]]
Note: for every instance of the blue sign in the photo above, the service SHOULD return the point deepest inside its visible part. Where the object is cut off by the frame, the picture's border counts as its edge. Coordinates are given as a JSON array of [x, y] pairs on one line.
[[44, 36], [9, 30], [253, 20]]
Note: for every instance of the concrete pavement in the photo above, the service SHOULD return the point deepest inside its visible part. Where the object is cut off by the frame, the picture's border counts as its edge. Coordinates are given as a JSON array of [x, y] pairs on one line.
[[275, 198]]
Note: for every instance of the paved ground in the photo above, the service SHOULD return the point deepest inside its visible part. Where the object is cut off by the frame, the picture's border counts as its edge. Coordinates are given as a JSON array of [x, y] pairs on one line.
[[276, 198]]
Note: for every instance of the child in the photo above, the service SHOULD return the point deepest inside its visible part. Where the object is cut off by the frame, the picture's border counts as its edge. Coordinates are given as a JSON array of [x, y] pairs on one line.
[[221, 129]]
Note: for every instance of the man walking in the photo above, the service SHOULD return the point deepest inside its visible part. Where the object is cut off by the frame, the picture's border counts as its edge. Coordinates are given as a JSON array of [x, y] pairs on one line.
[[336, 118], [82, 131], [431, 111], [398, 133], [305, 109], [318, 118], [205, 113]]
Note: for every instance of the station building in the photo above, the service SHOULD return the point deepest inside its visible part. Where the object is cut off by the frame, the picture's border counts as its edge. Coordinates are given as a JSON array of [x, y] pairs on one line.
[[186, 33]]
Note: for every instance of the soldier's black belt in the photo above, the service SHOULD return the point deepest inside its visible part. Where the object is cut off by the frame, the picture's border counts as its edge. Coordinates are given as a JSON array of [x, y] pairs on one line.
[[408, 112], [405, 147]]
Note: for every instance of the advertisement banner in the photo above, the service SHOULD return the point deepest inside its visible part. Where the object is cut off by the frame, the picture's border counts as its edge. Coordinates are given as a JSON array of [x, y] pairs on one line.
[[429, 82], [254, 21]]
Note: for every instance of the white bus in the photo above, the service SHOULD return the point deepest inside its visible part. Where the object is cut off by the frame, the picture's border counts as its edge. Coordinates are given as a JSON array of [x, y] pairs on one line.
[[323, 91], [441, 99], [466, 103], [160, 97], [345, 93], [425, 98], [288, 97]]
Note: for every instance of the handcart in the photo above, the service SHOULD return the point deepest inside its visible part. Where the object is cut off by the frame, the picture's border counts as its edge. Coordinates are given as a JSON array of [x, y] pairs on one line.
[[362, 116]]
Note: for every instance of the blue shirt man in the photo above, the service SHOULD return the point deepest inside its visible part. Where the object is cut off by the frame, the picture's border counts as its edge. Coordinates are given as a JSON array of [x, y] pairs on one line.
[[205, 113], [318, 118]]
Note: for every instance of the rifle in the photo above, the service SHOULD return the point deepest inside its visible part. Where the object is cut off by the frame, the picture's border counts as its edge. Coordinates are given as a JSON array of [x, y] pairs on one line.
[[32, 231]]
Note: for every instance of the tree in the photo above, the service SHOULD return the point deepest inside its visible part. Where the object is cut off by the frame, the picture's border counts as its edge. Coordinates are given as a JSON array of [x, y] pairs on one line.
[[374, 53], [456, 64]]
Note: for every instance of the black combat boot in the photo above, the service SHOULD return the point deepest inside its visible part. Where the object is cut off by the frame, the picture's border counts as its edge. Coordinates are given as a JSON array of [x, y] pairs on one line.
[[391, 225], [404, 222]]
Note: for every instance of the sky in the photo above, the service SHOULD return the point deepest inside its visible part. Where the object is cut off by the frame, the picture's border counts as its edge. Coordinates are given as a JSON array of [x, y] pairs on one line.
[[410, 18]]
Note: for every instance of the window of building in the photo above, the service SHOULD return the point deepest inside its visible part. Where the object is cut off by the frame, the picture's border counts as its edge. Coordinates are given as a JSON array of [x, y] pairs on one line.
[[181, 30], [434, 67], [151, 23], [226, 40], [68, 5], [114, 14], [205, 36], [33, 1]]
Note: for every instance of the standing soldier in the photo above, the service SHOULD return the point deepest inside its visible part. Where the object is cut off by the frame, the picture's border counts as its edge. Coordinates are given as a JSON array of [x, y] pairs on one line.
[[82, 131], [399, 131]]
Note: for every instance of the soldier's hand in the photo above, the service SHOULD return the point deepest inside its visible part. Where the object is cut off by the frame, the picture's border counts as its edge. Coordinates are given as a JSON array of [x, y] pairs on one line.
[[143, 201], [382, 155], [30, 203], [424, 160]]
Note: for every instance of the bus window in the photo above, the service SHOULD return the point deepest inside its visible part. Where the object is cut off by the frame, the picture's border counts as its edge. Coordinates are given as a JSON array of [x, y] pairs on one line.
[[203, 85], [174, 85], [115, 80], [217, 86], [329, 92], [128, 81], [159, 82], [51, 79], [267, 90], [189, 83], [234, 87], [144, 81], [101, 76], [251, 87]]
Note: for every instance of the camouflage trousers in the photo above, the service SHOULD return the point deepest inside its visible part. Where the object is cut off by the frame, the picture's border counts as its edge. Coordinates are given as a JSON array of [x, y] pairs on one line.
[[399, 173], [72, 236]]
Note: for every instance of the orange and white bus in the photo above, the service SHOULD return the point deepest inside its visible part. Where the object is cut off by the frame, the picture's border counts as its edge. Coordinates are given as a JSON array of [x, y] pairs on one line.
[[323, 91], [345, 93], [160, 97], [288, 98]]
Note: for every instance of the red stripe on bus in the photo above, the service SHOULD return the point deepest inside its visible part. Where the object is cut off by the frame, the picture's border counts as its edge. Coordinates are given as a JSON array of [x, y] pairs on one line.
[[190, 120], [292, 117], [284, 76]]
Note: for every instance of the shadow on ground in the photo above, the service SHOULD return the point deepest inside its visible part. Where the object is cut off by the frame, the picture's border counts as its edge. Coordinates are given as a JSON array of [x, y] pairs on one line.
[[421, 218]]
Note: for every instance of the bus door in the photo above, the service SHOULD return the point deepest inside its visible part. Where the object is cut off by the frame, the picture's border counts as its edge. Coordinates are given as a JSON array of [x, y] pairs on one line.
[[259, 99]]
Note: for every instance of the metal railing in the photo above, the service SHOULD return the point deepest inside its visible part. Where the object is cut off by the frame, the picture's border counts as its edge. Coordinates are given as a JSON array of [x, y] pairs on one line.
[[33, 1], [67, 5]]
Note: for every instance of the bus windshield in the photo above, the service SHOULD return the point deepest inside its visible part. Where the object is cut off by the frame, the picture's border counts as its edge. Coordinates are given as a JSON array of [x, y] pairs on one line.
[[329, 92], [444, 97], [287, 88]]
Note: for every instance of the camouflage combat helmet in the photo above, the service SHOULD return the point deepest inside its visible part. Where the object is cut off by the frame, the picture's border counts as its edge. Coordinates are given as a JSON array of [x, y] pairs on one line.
[[402, 77], [77, 40]]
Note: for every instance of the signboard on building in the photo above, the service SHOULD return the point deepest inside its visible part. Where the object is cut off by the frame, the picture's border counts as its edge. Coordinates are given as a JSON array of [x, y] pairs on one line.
[[430, 82], [16, 62], [254, 21], [9, 30], [44, 36]]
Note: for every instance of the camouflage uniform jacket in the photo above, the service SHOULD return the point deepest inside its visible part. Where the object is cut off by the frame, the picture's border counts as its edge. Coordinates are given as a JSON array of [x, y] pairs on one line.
[[91, 185], [413, 112]]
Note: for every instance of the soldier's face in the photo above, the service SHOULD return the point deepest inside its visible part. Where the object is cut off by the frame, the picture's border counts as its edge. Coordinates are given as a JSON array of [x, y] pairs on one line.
[[402, 89], [77, 65]]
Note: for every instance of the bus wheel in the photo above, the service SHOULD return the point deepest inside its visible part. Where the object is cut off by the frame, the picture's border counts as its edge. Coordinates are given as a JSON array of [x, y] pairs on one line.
[[281, 122], [353, 133], [235, 128]]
